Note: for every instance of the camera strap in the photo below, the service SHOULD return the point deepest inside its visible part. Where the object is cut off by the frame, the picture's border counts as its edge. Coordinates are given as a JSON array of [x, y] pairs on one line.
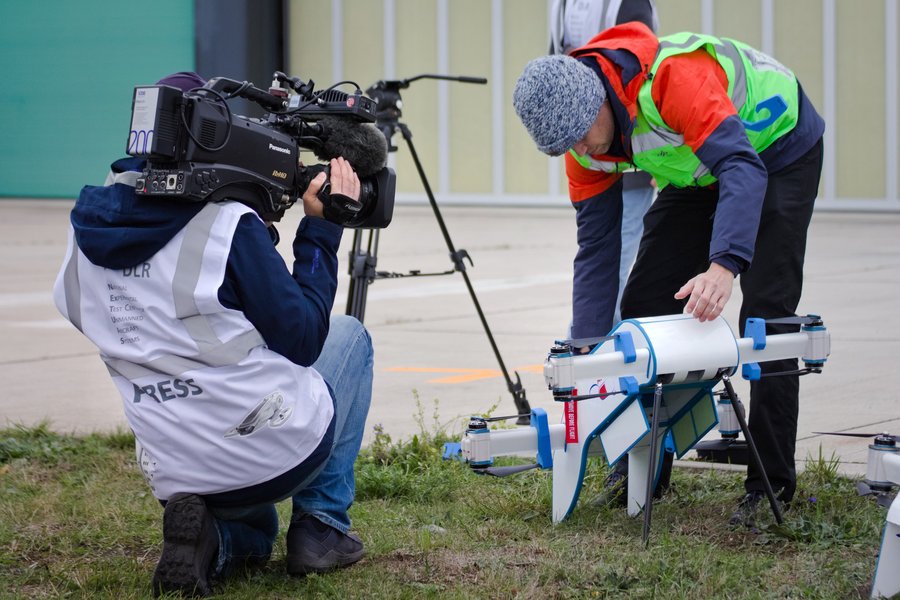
[[339, 208]]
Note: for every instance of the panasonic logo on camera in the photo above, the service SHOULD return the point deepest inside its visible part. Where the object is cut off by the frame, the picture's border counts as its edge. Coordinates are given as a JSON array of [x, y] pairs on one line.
[[279, 149]]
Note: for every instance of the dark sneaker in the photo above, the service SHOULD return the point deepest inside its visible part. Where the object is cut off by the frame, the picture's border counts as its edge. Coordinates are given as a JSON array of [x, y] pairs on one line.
[[314, 547], [615, 488], [190, 545], [747, 509], [665, 476]]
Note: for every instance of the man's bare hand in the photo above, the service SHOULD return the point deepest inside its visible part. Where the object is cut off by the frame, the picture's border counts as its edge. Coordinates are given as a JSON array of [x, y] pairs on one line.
[[709, 292], [312, 206], [343, 181]]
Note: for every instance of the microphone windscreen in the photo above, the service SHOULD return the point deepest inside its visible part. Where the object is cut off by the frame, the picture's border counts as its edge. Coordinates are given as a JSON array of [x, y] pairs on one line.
[[361, 144]]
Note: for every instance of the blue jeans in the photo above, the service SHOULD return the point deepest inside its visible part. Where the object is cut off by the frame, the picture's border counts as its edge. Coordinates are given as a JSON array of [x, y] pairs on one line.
[[635, 203], [247, 533]]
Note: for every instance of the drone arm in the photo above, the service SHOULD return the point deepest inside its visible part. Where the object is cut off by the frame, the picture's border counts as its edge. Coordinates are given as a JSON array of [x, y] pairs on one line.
[[562, 371], [480, 449], [778, 347]]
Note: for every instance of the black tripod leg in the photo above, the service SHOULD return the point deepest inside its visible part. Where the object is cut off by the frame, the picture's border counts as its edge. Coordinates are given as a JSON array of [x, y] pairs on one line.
[[516, 389], [362, 273], [754, 454], [651, 469]]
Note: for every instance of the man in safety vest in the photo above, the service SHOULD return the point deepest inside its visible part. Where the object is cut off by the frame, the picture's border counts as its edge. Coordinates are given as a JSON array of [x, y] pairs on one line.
[[735, 147], [239, 387]]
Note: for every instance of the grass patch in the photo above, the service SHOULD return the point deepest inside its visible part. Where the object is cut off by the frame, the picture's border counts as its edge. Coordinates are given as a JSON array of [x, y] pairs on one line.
[[77, 520]]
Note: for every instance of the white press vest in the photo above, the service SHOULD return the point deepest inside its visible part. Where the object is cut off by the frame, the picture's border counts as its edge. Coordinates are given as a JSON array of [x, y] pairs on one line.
[[212, 408]]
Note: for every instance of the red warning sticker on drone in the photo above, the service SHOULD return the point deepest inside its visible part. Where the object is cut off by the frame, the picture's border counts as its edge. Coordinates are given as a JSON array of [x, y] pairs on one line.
[[571, 419]]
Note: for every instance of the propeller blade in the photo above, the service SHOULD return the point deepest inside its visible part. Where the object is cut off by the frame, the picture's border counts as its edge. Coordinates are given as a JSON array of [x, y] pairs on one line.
[[885, 500], [795, 320], [506, 471], [586, 342], [896, 438], [505, 418]]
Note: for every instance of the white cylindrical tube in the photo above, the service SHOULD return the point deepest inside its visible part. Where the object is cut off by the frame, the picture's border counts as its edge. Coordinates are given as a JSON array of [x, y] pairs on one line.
[[476, 447], [778, 347], [684, 349], [524, 439], [728, 421], [875, 472]]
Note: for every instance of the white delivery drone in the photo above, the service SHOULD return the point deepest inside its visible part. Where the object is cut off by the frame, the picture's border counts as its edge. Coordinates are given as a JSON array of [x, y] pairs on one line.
[[674, 360]]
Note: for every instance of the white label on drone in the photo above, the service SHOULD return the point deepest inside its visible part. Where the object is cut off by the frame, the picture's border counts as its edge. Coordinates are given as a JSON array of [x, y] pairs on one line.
[[143, 117]]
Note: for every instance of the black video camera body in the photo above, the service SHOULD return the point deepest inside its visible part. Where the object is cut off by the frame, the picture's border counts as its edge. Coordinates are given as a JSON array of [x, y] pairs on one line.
[[198, 151]]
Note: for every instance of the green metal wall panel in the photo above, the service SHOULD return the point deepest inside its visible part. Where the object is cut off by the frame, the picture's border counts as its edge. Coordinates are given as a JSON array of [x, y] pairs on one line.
[[859, 132], [836, 48], [417, 53], [739, 19], [469, 105], [678, 15], [525, 36], [69, 69]]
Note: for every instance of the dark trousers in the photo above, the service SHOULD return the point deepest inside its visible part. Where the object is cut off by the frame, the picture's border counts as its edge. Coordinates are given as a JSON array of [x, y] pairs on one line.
[[675, 248]]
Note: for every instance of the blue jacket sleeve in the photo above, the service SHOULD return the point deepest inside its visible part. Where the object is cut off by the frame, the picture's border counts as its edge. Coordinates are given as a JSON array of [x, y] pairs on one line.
[[742, 188], [290, 310], [596, 282]]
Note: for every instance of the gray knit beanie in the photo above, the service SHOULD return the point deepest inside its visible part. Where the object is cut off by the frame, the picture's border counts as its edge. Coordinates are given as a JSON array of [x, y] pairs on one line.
[[558, 99]]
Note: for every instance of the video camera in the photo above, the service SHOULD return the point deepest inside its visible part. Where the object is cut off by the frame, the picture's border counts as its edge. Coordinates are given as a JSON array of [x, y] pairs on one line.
[[198, 151]]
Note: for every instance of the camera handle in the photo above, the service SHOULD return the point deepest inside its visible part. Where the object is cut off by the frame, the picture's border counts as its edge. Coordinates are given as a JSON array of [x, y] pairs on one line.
[[363, 263]]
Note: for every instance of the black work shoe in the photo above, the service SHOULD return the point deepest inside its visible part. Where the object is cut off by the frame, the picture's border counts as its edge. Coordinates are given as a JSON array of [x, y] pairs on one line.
[[190, 546], [747, 510], [614, 491], [615, 486], [315, 547]]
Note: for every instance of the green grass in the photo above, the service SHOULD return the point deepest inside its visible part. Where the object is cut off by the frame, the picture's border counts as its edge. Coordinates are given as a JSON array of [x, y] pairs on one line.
[[77, 520]]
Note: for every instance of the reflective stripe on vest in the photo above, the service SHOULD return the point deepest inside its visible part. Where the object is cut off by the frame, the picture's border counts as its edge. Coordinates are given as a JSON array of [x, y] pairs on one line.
[[607, 166], [222, 355], [212, 351], [763, 92], [128, 178], [71, 284], [659, 135]]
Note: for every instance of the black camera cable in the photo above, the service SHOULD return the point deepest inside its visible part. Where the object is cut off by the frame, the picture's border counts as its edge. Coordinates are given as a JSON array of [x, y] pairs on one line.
[[316, 96], [224, 101]]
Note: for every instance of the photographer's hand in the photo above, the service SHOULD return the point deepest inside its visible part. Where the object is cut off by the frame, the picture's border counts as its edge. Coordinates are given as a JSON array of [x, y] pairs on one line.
[[343, 179], [312, 206]]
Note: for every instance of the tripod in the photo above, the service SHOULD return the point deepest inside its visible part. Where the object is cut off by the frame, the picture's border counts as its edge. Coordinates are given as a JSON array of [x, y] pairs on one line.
[[363, 261]]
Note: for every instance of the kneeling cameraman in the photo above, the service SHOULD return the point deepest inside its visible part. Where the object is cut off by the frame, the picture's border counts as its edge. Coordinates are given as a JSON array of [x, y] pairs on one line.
[[240, 389]]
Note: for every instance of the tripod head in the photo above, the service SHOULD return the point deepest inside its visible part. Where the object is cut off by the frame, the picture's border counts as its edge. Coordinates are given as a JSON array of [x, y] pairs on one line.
[[386, 94]]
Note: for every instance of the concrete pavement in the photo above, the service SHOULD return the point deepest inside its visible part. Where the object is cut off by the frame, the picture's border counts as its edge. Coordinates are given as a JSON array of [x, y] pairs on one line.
[[431, 351]]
